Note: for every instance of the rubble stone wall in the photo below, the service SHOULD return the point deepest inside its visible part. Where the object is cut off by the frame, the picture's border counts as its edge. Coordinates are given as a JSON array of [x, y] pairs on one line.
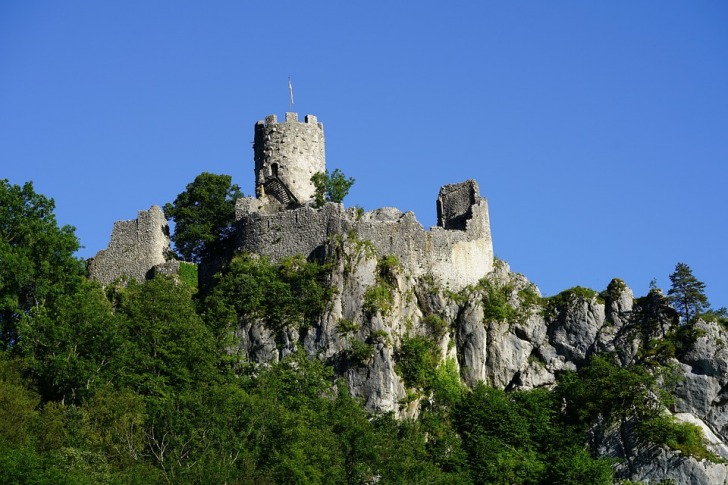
[[456, 257], [136, 246]]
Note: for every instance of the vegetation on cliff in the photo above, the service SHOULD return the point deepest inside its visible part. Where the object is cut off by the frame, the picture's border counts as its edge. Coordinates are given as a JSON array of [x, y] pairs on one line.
[[136, 384]]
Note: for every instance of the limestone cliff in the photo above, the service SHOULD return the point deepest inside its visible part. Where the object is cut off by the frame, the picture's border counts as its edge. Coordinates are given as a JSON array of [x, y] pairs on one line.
[[525, 350], [394, 281]]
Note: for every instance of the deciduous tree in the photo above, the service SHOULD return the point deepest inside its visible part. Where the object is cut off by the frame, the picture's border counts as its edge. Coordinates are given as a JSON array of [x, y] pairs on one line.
[[36, 256], [203, 215], [332, 187]]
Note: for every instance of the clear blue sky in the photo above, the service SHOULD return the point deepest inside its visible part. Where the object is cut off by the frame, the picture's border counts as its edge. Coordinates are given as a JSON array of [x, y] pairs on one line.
[[598, 131]]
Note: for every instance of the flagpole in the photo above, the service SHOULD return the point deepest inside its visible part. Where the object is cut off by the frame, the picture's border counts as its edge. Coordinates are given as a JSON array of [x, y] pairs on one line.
[[290, 94]]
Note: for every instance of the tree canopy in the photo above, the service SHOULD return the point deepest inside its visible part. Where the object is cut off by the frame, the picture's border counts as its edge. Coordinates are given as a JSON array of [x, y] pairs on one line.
[[37, 264], [203, 215]]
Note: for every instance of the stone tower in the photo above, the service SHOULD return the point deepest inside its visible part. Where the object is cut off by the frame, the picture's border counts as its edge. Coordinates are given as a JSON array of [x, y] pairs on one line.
[[286, 156]]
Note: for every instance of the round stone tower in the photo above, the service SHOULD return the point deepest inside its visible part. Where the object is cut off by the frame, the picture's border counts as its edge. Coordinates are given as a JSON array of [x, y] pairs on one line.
[[286, 156]]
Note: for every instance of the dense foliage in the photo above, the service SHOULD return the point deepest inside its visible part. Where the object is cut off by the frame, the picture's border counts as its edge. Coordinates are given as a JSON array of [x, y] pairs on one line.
[[203, 216], [293, 292], [36, 256], [135, 385]]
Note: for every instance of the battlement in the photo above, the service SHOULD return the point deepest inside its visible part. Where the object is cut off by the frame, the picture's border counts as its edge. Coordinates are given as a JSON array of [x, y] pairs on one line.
[[291, 117]]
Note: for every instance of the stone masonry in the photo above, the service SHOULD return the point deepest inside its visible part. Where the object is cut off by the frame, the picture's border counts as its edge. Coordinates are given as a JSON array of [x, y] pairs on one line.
[[281, 220], [286, 156], [136, 247]]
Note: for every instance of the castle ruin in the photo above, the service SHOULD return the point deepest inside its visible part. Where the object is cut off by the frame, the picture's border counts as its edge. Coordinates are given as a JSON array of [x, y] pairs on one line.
[[282, 221], [136, 248]]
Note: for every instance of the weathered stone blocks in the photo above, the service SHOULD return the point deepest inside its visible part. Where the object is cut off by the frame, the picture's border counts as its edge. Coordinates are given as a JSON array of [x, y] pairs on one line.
[[136, 247], [455, 257], [286, 156]]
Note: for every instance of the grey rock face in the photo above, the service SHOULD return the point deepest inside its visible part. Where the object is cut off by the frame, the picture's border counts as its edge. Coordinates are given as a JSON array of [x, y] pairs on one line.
[[573, 330], [523, 352], [645, 463], [704, 390], [657, 465], [472, 344]]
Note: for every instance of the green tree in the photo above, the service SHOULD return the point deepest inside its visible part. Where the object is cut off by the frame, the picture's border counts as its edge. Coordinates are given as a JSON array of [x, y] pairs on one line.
[[72, 346], [17, 403], [36, 256], [417, 360], [167, 346], [332, 187], [204, 215], [687, 293], [497, 438], [601, 389]]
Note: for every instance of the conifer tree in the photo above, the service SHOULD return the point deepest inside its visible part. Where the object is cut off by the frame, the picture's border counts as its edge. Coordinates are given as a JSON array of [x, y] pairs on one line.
[[687, 293]]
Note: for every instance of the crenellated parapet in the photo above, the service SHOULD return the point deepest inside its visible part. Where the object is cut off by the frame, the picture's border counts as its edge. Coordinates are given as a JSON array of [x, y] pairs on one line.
[[286, 156]]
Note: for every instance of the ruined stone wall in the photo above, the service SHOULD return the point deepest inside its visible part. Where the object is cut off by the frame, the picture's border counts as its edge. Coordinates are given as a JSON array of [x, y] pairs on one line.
[[290, 152], [456, 257], [136, 246], [454, 204]]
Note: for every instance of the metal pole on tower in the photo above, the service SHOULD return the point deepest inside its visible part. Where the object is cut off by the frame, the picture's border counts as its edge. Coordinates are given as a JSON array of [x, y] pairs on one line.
[[290, 95]]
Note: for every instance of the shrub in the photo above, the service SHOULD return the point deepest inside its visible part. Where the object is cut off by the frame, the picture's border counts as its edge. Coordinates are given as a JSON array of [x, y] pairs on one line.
[[417, 360], [380, 337], [717, 316], [529, 298], [346, 326], [360, 352], [436, 324], [556, 302], [497, 302], [378, 298], [614, 289], [684, 437], [332, 187], [446, 384]]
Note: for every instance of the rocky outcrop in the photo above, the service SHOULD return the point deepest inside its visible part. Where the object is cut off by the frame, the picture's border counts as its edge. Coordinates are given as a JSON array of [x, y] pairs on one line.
[[524, 348], [645, 463], [703, 391]]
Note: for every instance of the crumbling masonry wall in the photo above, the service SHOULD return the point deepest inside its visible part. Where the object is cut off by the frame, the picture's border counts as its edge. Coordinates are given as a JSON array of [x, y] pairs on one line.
[[136, 247], [457, 257]]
